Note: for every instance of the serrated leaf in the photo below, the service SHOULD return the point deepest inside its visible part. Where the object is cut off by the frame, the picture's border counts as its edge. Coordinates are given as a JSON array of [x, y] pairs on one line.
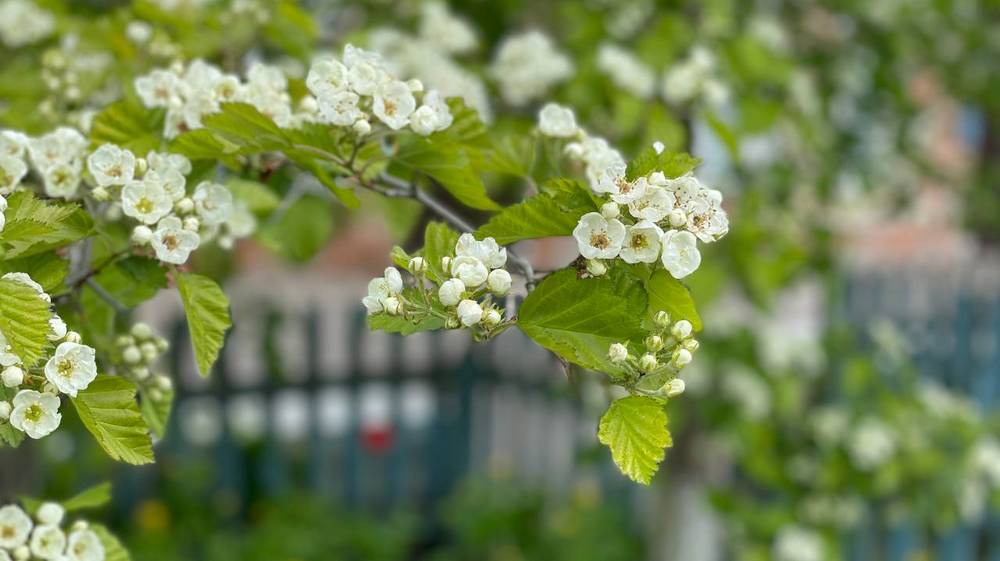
[[635, 429], [24, 320], [207, 311], [47, 269], [107, 408], [554, 212], [128, 124], [672, 164], [93, 497], [113, 548], [669, 294], [133, 280], [448, 164], [35, 226], [579, 319]]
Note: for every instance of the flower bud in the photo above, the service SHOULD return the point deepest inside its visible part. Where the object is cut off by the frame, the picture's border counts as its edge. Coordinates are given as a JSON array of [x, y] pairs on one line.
[[469, 312], [677, 218], [417, 265], [50, 513], [80, 526], [50, 388], [446, 263], [142, 331], [691, 345], [22, 553], [149, 352], [658, 147], [141, 167], [492, 318], [661, 319], [392, 306], [682, 329], [73, 337], [164, 383], [362, 127], [100, 194], [156, 395], [657, 178], [4, 410], [132, 355], [648, 363], [12, 376], [415, 85], [596, 268], [674, 387], [617, 352], [161, 344], [682, 357], [451, 291], [124, 340], [498, 282], [192, 223], [140, 373], [610, 210], [141, 235], [184, 205], [654, 343]]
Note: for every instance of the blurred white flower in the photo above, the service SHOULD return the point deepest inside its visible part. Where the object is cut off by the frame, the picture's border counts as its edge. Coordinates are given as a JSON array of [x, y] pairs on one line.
[[598, 237]]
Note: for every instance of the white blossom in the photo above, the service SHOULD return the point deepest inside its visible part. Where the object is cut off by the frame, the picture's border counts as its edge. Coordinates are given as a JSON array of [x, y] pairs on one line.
[[15, 527], [84, 545], [72, 368], [3, 210], [499, 282], [111, 165], [12, 376], [598, 237], [394, 280], [62, 179], [794, 543], [212, 202], [558, 121], [393, 104], [159, 88], [172, 243], [471, 271], [13, 143], [680, 253], [48, 542], [146, 200], [626, 71], [340, 108], [871, 444], [434, 115], [12, 171], [36, 414], [469, 312], [50, 513], [326, 78], [527, 65], [617, 352], [440, 27], [451, 291], [486, 250], [23, 23], [642, 243], [653, 205]]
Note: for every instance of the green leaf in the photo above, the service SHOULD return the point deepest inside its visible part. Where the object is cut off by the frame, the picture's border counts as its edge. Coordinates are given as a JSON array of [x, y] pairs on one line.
[[207, 311], [301, 231], [672, 164], [291, 28], [449, 164], [47, 269], [24, 320], [36, 226], [9, 436], [439, 241], [156, 412], [128, 124], [579, 319], [109, 411], [257, 197], [113, 549], [94, 497], [554, 212], [237, 129], [133, 280], [403, 325], [635, 429], [669, 294]]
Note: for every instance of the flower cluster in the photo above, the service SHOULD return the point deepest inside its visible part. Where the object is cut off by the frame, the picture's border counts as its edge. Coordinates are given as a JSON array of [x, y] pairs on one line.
[[189, 94], [138, 352], [23, 23], [693, 77], [352, 90], [796, 543], [669, 347], [527, 65], [462, 295], [626, 71], [24, 539], [152, 190], [69, 370], [645, 218], [57, 158]]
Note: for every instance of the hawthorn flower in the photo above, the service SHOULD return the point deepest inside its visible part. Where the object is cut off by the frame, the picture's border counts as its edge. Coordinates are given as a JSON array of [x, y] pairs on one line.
[[626, 71], [172, 243], [340, 108], [449, 33], [653, 205], [471, 271], [527, 65], [13, 143], [680, 253], [161, 162], [682, 329], [393, 104], [146, 200], [36, 414], [62, 179], [12, 376], [48, 542], [111, 165], [872, 444], [499, 282], [433, 115], [598, 237], [212, 202], [50, 513], [159, 88], [326, 78], [558, 121], [469, 312], [15, 527], [394, 280], [642, 243], [72, 368], [486, 250], [84, 545], [12, 171], [382, 292], [451, 291], [706, 218], [617, 352]]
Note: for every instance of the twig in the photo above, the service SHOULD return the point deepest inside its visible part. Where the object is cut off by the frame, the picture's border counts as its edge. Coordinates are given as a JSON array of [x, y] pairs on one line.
[[106, 296]]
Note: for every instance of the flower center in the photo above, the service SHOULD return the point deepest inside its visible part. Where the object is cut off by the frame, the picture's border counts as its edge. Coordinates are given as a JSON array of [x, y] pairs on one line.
[[144, 206], [65, 368], [600, 240], [624, 187], [7, 532], [390, 107], [171, 242], [33, 413], [638, 241], [115, 171]]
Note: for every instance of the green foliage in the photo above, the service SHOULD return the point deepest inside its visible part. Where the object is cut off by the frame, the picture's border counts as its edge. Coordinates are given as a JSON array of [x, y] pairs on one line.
[[578, 319], [553, 212], [24, 320], [9, 436], [300, 231], [257, 197], [156, 412], [93, 497], [404, 325], [672, 164], [128, 124], [635, 429], [439, 241], [449, 164], [107, 408], [669, 294], [47, 269], [113, 548], [133, 279], [207, 311], [36, 226]]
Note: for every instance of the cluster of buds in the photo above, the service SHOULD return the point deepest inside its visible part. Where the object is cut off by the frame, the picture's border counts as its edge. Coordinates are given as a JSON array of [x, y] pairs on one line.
[[668, 349], [459, 290], [137, 352]]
